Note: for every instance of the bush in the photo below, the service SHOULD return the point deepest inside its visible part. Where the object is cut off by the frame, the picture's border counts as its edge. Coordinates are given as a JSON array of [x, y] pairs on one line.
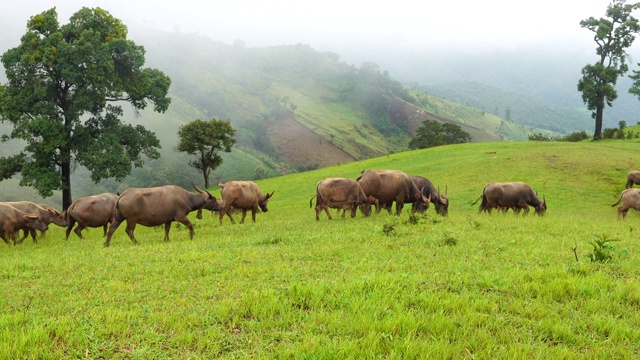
[[538, 136], [575, 136]]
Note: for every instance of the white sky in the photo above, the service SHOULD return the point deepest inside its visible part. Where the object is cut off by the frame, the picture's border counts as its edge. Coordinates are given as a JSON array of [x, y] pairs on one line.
[[399, 23]]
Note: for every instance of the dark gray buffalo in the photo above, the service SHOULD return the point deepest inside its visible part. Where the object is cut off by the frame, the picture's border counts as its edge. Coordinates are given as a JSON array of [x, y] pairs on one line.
[[633, 177], [47, 214], [511, 195], [387, 186], [630, 199], [157, 206], [12, 220], [242, 195], [91, 211], [340, 193]]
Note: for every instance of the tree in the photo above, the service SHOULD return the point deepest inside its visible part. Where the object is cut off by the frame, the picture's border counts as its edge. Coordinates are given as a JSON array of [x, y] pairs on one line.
[[205, 139], [432, 133], [613, 34], [63, 97]]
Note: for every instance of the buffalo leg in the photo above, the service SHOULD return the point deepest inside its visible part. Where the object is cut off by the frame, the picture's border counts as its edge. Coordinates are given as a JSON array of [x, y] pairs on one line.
[[185, 221], [131, 227], [79, 229], [112, 228], [71, 221], [167, 227], [226, 210]]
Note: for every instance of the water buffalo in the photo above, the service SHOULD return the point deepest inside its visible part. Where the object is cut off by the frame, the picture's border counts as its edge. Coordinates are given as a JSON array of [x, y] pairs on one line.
[[428, 190], [511, 195], [157, 206], [91, 211], [633, 177], [242, 195], [340, 193], [388, 186], [12, 220], [47, 214], [630, 198]]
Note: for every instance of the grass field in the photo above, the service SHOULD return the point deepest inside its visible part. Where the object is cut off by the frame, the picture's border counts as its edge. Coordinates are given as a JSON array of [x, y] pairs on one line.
[[466, 286]]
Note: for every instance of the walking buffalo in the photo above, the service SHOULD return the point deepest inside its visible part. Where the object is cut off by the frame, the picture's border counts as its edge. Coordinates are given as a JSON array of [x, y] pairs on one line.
[[511, 195], [91, 211], [12, 220], [340, 193], [388, 186], [440, 202], [633, 177], [47, 214], [242, 195], [157, 206], [630, 198]]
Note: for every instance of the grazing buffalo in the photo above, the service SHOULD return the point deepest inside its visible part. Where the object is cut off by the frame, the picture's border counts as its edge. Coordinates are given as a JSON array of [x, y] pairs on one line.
[[428, 190], [157, 206], [91, 211], [630, 198], [242, 195], [511, 195], [47, 214], [633, 177], [340, 193], [12, 220], [388, 186]]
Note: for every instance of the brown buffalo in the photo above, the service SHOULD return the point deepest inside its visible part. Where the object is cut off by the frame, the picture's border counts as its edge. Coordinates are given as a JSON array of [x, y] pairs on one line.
[[91, 211], [429, 191], [388, 186], [157, 206], [511, 195], [242, 195], [12, 220], [633, 177], [47, 214], [630, 198], [340, 193]]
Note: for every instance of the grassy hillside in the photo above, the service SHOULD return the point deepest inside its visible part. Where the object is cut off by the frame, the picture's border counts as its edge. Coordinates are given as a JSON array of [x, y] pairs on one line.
[[468, 285]]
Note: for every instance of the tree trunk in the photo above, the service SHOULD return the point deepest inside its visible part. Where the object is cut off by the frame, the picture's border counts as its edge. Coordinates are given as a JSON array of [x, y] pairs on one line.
[[205, 173], [66, 185], [597, 134]]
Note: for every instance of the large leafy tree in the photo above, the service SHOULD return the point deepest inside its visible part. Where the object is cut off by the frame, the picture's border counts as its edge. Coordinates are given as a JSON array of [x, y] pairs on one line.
[[613, 35], [206, 139], [433, 133], [64, 93]]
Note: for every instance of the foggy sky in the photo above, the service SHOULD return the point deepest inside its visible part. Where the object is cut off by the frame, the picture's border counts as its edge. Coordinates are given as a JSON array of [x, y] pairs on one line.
[[333, 25]]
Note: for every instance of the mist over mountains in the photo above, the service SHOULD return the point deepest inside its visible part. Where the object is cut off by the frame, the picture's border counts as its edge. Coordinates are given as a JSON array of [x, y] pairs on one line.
[[283, 99]]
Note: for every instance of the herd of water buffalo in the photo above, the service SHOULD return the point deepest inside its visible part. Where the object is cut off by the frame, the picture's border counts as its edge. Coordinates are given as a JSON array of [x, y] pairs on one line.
[[165, 204]]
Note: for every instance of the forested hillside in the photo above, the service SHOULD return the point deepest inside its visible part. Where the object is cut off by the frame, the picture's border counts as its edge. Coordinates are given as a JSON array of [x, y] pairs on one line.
[[294, 109]]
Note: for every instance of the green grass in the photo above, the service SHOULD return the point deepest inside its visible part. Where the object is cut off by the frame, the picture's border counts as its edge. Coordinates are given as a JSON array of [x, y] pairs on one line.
[[466, 286]]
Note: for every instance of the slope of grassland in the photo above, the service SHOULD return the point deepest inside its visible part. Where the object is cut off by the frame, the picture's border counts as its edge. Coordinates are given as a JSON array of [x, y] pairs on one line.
[[465, 286]]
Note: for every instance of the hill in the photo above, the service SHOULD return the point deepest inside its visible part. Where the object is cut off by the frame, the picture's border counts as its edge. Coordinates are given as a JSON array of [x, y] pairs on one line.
[[294, 108], [466, 285]]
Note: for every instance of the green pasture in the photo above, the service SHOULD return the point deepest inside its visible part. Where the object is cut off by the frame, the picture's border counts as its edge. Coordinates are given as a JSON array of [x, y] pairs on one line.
[[469, 285]]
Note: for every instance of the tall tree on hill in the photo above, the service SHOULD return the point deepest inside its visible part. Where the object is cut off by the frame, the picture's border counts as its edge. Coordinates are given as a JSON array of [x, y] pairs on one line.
[[613, 34], [205, 139], [63, 95]]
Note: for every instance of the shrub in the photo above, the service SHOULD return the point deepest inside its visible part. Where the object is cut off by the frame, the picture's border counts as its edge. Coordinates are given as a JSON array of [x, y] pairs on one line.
[[538, 136]]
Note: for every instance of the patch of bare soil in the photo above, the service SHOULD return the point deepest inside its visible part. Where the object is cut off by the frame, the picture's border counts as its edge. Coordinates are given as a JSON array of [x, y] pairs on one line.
[[298, 145]]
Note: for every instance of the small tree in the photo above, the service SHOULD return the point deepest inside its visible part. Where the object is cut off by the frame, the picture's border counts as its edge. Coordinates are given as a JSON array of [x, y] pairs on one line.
[[206, 139], [432, 133], [613, 34]]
